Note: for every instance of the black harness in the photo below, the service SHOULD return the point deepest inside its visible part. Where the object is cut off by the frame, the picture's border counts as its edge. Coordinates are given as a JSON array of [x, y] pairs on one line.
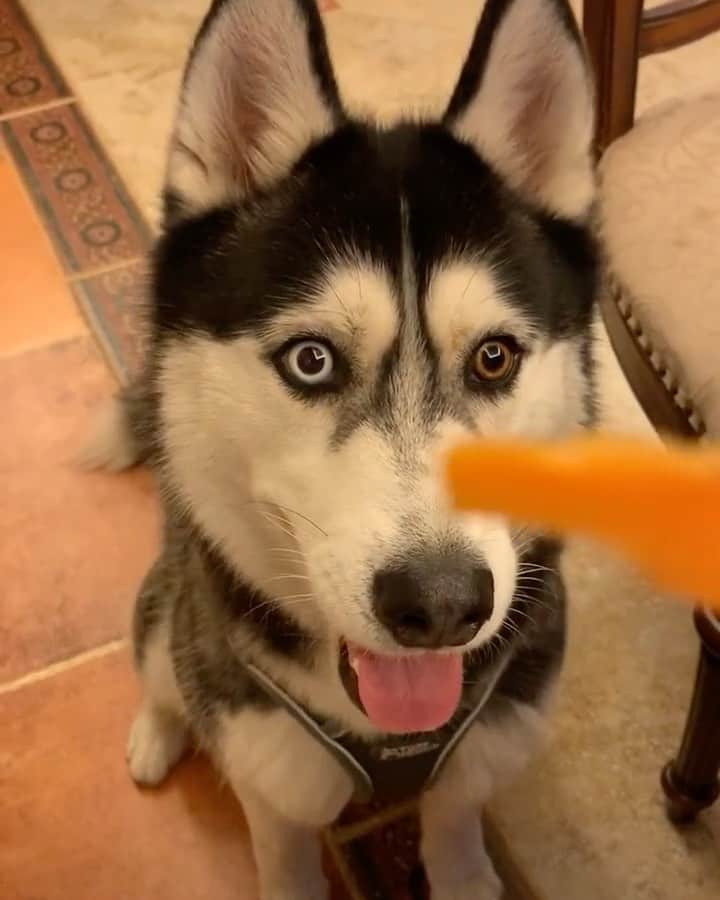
[[397, 767]]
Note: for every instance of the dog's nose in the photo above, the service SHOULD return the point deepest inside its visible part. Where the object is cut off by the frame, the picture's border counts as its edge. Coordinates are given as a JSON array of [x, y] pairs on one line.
[[434, 600]]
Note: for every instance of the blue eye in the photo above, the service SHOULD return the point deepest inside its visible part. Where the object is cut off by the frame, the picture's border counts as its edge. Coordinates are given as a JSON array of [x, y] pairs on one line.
[[310, 363]]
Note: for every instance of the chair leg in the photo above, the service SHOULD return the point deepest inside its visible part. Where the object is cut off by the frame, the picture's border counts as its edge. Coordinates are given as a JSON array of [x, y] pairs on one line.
[[612, 34], [691, 781]]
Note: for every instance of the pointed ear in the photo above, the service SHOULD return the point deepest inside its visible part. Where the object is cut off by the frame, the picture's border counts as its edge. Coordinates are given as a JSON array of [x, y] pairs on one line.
[[525, 101], [258, 90]]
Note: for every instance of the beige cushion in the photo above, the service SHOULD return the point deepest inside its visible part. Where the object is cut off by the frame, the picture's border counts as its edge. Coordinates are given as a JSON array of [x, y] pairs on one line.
[[660, 213]]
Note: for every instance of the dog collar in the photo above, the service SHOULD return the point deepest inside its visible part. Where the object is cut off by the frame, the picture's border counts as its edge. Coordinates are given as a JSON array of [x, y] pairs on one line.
[[394, 768]]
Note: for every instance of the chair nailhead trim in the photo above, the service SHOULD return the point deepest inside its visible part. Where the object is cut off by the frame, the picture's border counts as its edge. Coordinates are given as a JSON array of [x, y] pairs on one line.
[[677, 394]]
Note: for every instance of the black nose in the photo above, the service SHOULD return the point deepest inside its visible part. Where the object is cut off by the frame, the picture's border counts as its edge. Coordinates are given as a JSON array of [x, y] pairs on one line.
[[436, 600]]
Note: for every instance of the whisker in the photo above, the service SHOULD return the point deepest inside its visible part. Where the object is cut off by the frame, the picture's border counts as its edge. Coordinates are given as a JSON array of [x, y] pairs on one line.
[[520, 612], [530, 602], [288, 575], [470, 281], [285, 598], [278, 522], [348, 317], [292, 512], [286, 602], [535, 567]]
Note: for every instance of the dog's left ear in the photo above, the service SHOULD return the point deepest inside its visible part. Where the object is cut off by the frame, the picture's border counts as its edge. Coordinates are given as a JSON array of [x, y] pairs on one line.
[[525, 102]]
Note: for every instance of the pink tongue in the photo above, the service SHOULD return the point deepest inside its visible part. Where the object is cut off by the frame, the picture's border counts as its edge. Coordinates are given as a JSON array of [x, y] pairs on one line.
[[402, 694]]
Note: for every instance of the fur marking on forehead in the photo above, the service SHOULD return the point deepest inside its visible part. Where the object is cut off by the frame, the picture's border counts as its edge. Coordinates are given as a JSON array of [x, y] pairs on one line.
[[354, 303], [467, 301]]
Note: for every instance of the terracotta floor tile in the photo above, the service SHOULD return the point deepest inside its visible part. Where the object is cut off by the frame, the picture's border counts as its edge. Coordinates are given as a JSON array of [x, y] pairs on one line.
[[90, 217], [36, 306], [74, 827], [73, 546], [27, 77]]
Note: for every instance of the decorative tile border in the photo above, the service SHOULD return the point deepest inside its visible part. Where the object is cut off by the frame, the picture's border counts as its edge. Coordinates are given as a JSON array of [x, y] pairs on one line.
[[86, 209], [28, 77], [97, 230], [112, 304]]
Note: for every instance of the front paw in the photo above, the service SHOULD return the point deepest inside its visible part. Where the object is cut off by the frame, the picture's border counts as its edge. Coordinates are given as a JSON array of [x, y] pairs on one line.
[[482, 886], [156, 743]]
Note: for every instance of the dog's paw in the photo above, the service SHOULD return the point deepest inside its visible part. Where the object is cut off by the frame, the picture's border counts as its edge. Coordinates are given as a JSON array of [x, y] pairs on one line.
[[483, 886], [156, 742]]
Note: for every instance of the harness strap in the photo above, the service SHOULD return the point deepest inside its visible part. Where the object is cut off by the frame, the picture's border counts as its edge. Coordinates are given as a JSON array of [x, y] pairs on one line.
[[391, 769]]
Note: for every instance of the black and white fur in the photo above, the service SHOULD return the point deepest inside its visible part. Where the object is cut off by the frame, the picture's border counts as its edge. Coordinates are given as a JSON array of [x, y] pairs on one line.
[[404, 248]]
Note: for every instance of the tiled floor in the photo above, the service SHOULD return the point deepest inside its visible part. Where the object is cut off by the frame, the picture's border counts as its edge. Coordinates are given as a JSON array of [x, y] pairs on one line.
[[585, 824], [73, 547]]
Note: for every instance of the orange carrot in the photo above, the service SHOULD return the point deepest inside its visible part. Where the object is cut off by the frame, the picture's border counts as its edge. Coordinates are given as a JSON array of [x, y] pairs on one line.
[[658, 505]]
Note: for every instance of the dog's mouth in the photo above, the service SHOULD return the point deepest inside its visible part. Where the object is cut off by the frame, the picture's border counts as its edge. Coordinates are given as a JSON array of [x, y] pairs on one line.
[[402, 694]]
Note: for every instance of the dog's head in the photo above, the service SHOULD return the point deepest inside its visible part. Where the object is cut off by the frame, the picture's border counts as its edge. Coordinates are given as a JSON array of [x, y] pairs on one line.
[[335, 299]]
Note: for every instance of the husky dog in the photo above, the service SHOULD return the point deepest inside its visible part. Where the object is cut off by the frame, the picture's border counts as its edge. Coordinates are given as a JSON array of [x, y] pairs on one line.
[[332, 300]]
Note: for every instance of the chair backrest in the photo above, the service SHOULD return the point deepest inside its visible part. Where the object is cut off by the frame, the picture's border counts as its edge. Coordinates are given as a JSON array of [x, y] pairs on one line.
[[619, 33], [676, 23]]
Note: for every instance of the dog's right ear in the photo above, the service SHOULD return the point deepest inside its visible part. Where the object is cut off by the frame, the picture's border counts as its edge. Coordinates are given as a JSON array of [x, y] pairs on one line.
[[259, 89]]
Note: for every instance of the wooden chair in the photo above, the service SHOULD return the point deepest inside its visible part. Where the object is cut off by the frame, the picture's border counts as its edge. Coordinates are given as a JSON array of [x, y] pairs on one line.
[[662, 310], [619, 33]]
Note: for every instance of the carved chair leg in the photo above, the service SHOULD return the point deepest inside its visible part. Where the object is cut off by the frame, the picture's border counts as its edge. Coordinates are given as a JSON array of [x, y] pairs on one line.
[[691, 781]]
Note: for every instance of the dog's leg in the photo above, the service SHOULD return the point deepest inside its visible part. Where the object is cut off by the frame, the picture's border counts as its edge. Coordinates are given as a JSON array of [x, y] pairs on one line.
[[453, 848], [157, 740], [159, 734], [290, 787], [287, 855]]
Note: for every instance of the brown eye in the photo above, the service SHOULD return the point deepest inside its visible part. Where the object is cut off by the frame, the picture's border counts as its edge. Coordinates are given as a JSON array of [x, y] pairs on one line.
[[495, 360]]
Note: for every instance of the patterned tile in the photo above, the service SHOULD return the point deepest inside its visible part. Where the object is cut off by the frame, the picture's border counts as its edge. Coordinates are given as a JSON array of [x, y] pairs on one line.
[[87, 211], [27, 76], [112, 304]]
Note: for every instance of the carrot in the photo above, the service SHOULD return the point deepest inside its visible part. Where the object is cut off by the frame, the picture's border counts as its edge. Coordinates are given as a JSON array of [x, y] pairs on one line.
[[658, 505]]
